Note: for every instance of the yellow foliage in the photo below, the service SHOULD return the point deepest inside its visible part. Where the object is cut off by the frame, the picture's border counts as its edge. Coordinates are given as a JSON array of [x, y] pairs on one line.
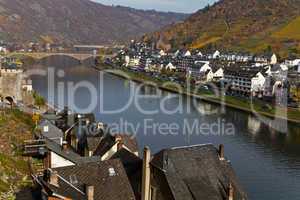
[[47, 39], [204, 41], [290, 31]]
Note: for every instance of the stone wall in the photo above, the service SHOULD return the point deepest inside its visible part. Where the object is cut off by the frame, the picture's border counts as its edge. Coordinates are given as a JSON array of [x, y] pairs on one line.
[[11, 84]]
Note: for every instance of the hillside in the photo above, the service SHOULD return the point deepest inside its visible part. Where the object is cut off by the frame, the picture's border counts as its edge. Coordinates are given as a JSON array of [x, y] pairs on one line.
[[76, 21], [243, 25], [15, 127]]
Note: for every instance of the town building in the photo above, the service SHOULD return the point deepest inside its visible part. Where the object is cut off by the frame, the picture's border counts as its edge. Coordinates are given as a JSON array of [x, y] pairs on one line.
[[238, 81], [190, 172], [105, 180]]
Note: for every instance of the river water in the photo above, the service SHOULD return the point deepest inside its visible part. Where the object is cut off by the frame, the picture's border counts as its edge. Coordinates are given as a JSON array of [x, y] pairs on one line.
[[267, 162]]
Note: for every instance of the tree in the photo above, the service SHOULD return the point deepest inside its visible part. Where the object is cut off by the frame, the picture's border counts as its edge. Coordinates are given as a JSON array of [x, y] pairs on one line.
[[38, 99]]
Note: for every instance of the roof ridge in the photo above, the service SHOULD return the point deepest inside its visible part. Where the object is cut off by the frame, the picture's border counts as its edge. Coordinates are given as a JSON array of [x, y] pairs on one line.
[[197, 145]]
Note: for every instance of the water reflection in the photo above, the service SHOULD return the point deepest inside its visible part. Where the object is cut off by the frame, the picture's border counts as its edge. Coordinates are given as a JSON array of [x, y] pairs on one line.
[[266, 161], [253, 125]]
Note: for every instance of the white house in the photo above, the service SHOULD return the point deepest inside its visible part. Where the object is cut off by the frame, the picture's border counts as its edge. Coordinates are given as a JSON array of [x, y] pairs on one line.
[[209, 76], [257, 83], [216, 54], [127, 60], [244, 82], [3, 49], [200, 54], [59, 161], [205, 68], [219, 74], [273, 59], [170, 66], [162, 53], [296, 62], [132, 61], [187, 53]]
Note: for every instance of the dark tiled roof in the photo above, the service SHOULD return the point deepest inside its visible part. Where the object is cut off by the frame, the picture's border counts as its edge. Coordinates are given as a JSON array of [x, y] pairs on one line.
[[53, 132], [109, 141], [106, 143], [51, 116], [133, 166], [69, 154], [107, 186], [131, 162], [197, 173], [93, 142], [241, 72], [130, 142]]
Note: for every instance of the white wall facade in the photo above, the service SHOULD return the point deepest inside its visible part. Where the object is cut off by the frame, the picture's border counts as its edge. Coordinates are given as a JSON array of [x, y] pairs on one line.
[[58, 161], [219, 73], [258, 82]]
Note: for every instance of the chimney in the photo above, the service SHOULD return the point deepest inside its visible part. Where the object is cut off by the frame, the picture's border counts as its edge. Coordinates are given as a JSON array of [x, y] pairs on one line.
[[120, 145], [146, 174], [53, 178], [230, 192], [90, 191], [65, 145], [118, 138], [221, 152]]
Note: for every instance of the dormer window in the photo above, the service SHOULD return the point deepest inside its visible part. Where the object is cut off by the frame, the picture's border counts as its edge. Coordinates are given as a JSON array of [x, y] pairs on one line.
[[73, 179]]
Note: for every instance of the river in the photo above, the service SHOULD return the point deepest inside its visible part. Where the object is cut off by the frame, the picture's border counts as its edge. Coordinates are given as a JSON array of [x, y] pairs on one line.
[[267, 162]]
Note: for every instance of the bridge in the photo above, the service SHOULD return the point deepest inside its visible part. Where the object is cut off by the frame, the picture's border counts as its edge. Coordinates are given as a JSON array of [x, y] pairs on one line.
[[41, 55]]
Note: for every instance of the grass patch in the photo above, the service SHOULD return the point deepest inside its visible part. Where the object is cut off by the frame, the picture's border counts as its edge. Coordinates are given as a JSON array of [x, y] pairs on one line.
[[38, 99], [13, 171], [22, 117]]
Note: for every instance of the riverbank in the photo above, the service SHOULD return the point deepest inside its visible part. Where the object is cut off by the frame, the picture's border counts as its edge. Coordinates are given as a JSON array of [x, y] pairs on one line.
[[254, 107]]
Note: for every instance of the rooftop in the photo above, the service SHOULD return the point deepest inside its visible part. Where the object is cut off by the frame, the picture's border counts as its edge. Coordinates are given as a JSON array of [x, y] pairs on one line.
[[196, 172], [108, 178]]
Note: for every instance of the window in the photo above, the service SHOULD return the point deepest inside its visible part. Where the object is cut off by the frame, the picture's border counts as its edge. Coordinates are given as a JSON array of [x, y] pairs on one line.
[[73, 179], [112, 172], [46, 129]]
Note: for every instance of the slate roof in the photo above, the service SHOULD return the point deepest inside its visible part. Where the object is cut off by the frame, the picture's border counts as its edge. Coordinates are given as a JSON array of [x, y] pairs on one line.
[[109, 141], [131, 162], [106, 143], [240, 72], [130, 142], [93, 142], [197, 173], [133, 166], [107, 186], [51, 116], [69, 154], [53, 132]]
